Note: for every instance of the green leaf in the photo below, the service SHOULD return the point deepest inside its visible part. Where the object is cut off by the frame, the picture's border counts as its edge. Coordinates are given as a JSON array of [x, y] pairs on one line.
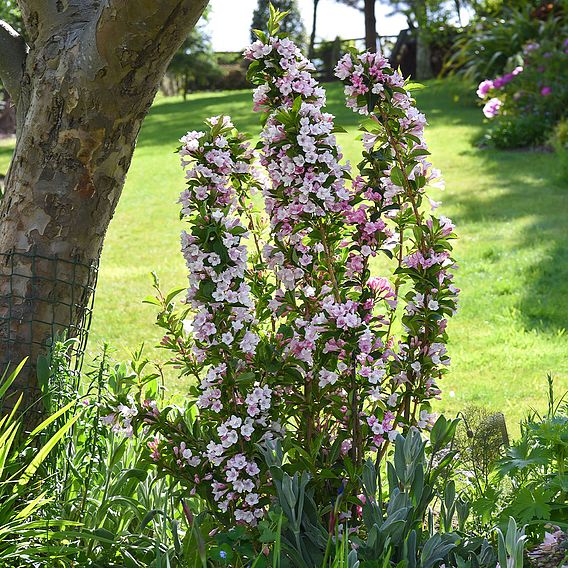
[[529, 504], [412, 86], [6, 442], [297, 104], [44, 451], [486, 505], [33, 506], [522, 456], [49, 420], [245, 378], [151, 300], [397, 177], [6, 382], [173, 293]]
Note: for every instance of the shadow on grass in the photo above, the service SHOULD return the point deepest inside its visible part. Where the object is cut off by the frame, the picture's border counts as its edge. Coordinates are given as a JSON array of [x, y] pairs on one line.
[[171, 118], [529, 187], [444, 102], [526, 182]]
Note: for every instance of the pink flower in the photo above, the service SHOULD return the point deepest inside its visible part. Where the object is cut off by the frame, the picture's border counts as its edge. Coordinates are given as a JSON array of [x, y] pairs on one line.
[[446, 225], [154, 446], [484, 88], [498, 82], [344, 67], [545, 91], [378, 284], [346, 446], [257, 50], [491, 108]]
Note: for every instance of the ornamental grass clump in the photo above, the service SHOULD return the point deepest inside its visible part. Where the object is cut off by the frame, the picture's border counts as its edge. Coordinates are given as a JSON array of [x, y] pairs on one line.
[[288, 330]]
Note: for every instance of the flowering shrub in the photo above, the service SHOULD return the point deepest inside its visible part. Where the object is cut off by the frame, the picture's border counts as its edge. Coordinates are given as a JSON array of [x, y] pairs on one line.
[[497, 31], [219, 343], [286, 328], [527, 102]]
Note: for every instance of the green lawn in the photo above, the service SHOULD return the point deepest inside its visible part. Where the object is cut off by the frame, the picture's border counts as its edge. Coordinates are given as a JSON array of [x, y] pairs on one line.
[[511, 211]]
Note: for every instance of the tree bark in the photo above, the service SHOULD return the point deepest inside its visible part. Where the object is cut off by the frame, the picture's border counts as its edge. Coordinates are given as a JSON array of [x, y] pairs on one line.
[[7, 114], [90, 76], [14, 50], [370, 26], [314, 26], [423, 55]]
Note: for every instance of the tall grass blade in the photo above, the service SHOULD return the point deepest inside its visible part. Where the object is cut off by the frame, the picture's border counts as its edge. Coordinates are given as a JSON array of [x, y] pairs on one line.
[[44, 451], [5, 383]]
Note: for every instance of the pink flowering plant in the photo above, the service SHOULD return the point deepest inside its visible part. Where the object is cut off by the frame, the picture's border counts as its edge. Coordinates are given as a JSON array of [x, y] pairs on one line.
[[525, 103], [287, 329]]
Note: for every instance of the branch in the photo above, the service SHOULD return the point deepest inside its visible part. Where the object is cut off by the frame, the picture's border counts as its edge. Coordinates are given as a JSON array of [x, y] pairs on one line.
[[145, 31], [36, 14], [13, 52]]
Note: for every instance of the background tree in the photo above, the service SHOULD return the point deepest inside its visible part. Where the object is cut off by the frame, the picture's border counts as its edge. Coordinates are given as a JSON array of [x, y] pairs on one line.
[[368, 9], [314, 26], [370, 25], [82, 81], [424, 18], [292, 24], [9, 13], [194, 66]]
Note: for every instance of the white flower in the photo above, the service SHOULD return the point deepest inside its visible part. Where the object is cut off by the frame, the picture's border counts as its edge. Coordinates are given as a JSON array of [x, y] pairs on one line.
[[249, 342], [247, 428], [309, 291], [327, 378], [234, 421], [231, 475], [251, 499], [252, 469], [227, 338]]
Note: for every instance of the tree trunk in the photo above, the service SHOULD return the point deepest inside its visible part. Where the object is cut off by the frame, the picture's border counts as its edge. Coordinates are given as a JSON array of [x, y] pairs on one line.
[[7, 115], [313, 34], [90, 77], [423, 57], [370, 26]]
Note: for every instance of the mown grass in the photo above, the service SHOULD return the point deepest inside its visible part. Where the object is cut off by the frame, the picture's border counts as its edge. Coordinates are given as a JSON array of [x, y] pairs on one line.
[[511, 211], [6, 147]]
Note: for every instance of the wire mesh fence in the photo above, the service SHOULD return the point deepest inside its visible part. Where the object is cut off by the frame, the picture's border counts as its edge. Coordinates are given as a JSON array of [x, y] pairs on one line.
[[43, 297]]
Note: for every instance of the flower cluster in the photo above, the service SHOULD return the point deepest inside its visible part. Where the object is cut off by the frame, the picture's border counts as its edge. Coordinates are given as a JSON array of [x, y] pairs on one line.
[[298, 342], [220, 336], [224, 326], [492, 106], [120, 420], [338, 318], [394, 174], [324, 237], [536, 88]]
